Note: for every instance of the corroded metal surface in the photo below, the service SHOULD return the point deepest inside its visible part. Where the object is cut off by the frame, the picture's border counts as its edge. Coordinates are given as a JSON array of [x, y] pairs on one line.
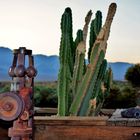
[[11, 106], [17, 105]]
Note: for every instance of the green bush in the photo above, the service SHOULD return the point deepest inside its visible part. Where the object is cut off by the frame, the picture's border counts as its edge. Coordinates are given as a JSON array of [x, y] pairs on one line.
[[45, 97], [133, 75], [4, 88], [122, 95]]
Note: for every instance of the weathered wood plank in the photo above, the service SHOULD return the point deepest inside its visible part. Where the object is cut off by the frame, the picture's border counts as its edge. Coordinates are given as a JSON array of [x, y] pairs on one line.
[[85, 133], [79, 128], [45, 111], [52, 111], [82, 121]]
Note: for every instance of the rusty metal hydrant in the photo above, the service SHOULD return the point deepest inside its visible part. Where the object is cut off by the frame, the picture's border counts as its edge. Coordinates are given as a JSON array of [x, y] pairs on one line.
[[17, 105]]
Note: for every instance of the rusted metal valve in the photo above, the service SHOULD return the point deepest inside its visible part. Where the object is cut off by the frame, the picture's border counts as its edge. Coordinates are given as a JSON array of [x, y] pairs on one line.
[[11, 106], [17, 105]]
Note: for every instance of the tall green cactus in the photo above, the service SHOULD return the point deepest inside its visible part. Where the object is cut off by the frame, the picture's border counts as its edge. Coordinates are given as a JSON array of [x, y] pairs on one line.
[[78, 67], [97, 87], [71, 77], [98, 22], [80, 57], [84, 93], [95, 28], [100, 78], [66, 63], [79, 38], [104, 91]]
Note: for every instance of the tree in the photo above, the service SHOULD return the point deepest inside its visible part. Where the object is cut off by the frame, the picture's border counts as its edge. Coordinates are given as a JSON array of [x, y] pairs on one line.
[[133, 75]]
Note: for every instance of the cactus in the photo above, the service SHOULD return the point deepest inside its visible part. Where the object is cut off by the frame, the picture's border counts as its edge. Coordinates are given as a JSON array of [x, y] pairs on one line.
[[74, 76], [84, 93], [66, 64], [98, 22], [95, 28], [104, 91], [98, 84], [100, 78], [79, 38], [80, 57]]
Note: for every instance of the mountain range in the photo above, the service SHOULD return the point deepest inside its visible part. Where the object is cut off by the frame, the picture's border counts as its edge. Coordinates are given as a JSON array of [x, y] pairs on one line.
[[48, 66]]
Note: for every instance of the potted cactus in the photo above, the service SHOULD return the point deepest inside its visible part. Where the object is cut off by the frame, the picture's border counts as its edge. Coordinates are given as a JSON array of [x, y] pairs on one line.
[[78, 82], [82, 86]]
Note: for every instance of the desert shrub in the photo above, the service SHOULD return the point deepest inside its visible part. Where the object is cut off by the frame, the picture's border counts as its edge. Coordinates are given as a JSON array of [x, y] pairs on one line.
[[122, 95], [133, 75], [4, 88], [45, 97], [111, 101], [127, 98]]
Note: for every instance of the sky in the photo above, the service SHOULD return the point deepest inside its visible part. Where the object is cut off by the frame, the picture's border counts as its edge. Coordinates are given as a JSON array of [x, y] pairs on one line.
[[35, 24]]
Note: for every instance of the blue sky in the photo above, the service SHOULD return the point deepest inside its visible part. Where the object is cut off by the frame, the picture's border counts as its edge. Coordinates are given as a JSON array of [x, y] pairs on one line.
[[35, 24]]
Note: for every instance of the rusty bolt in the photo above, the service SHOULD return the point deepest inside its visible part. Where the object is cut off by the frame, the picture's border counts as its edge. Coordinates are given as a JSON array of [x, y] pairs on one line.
[[11, 71], [31, 72], [20, 71], [24, 116]]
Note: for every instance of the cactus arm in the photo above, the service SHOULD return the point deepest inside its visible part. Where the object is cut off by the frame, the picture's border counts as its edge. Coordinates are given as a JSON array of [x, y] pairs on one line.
[[64, 77], [87, 21], [95, 28], [98, 85], [78, 67], [92, 38], [98, 22], [104, 91], [100, 78], [84, 93], [80, 57], [79, 38], [87, 82], [103, 46], [89, 91]]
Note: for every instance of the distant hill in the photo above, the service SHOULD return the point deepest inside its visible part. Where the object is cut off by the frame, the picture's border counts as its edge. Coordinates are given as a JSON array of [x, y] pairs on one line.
[[5, 62], [119, 70], [48, 66]]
